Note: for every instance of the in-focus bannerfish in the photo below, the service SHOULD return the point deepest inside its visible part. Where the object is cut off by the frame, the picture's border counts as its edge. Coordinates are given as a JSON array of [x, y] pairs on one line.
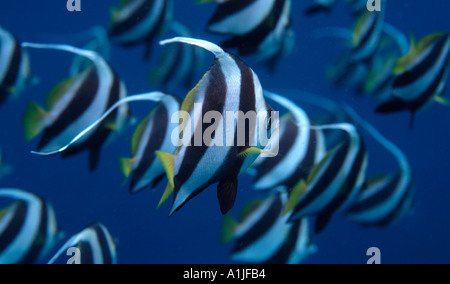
[[139, 22], [15, 71], [74, 104], [153, 134], [421, 75], [260, 27], [229, 86], [263, 235], [386, 198], [28, 229], [93, 245], [300, 148]]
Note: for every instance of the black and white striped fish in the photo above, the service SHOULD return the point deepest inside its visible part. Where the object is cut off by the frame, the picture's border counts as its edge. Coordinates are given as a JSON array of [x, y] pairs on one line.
[[177, 64], [230, 86], [260, 27], [137, 22], [421, 75], [263, 235], [28, 229], [334, 183], [93, 245], [74, 104], [385, 198], [153, 134], [300, 148], [367, 34], [15, 71]]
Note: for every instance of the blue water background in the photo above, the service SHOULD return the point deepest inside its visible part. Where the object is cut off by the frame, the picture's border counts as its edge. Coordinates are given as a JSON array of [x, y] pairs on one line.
[[147, 235]]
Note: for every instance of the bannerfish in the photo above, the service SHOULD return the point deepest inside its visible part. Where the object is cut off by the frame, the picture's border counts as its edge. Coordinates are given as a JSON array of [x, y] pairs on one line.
[[300, 148], [137, 22], [153, 134], [259, 27], [420, 76], [177, 64], [93, 245], [320, 6], [230, 86], [74, 104], [263, 235], [367, 34], [15, 70], [28, 230], [5, 169], [379, 80], [385, 198]]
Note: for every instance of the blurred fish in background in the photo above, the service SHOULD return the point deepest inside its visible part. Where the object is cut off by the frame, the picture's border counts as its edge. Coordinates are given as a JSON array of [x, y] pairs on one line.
[[5, 169]]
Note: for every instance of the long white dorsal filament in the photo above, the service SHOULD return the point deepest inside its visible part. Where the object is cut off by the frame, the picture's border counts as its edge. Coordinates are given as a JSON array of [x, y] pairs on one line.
[[215, 49], [92, 55], [153, 96]]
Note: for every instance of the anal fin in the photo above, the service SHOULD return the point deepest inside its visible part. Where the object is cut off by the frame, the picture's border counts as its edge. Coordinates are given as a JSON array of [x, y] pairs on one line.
[[226, 193]]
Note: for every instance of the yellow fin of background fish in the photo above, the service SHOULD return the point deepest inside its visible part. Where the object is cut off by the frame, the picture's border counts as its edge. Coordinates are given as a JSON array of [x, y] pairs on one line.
[[126, 165], [57, 92], [314, 171], [32, 121], [442, 101], [356, 36], [137, 135], [168, 162], [228, 229], [295, 196], [249, 208], [402, 63]]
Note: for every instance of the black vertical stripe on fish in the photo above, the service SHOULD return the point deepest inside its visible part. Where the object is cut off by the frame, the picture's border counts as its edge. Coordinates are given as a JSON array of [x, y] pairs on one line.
[[263, 225], [134, 19], [81, 101], [344, 192], [101, 134], [13, 68], [87, 255], [421, 69], [288, 248], [157, 135], [41, 237], [229, 8], [104, 245], [215, 99], [286, 141], [337, 162], [250, 42], [15, 225], [377, 198]]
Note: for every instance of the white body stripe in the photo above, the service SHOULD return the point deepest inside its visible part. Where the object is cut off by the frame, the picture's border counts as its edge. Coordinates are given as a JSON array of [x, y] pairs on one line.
[[7, 43], [245, 20]]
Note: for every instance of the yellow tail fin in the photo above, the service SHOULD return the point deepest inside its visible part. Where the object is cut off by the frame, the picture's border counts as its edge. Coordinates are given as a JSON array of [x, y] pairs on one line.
[[168, 162]]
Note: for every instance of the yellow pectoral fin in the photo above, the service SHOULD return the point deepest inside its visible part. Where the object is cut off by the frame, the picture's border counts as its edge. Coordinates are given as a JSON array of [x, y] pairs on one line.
[[126, 166], [32, 119], [442, 101], [168, 162], [295, 196]]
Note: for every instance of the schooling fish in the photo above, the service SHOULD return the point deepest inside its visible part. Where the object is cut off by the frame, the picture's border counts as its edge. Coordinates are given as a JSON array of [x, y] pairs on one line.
[[93, 245], [384, 198], [74, 104], [421, 76], [260, 27], [229, 87], [177, 64], [28, 229], [15, 71], [300, 148], [153, 134], [137, 22], [263, 235], [320, 6], [5, 169]]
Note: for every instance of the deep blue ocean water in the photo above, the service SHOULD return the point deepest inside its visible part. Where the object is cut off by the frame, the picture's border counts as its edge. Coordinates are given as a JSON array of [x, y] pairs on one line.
[[192, 235]]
